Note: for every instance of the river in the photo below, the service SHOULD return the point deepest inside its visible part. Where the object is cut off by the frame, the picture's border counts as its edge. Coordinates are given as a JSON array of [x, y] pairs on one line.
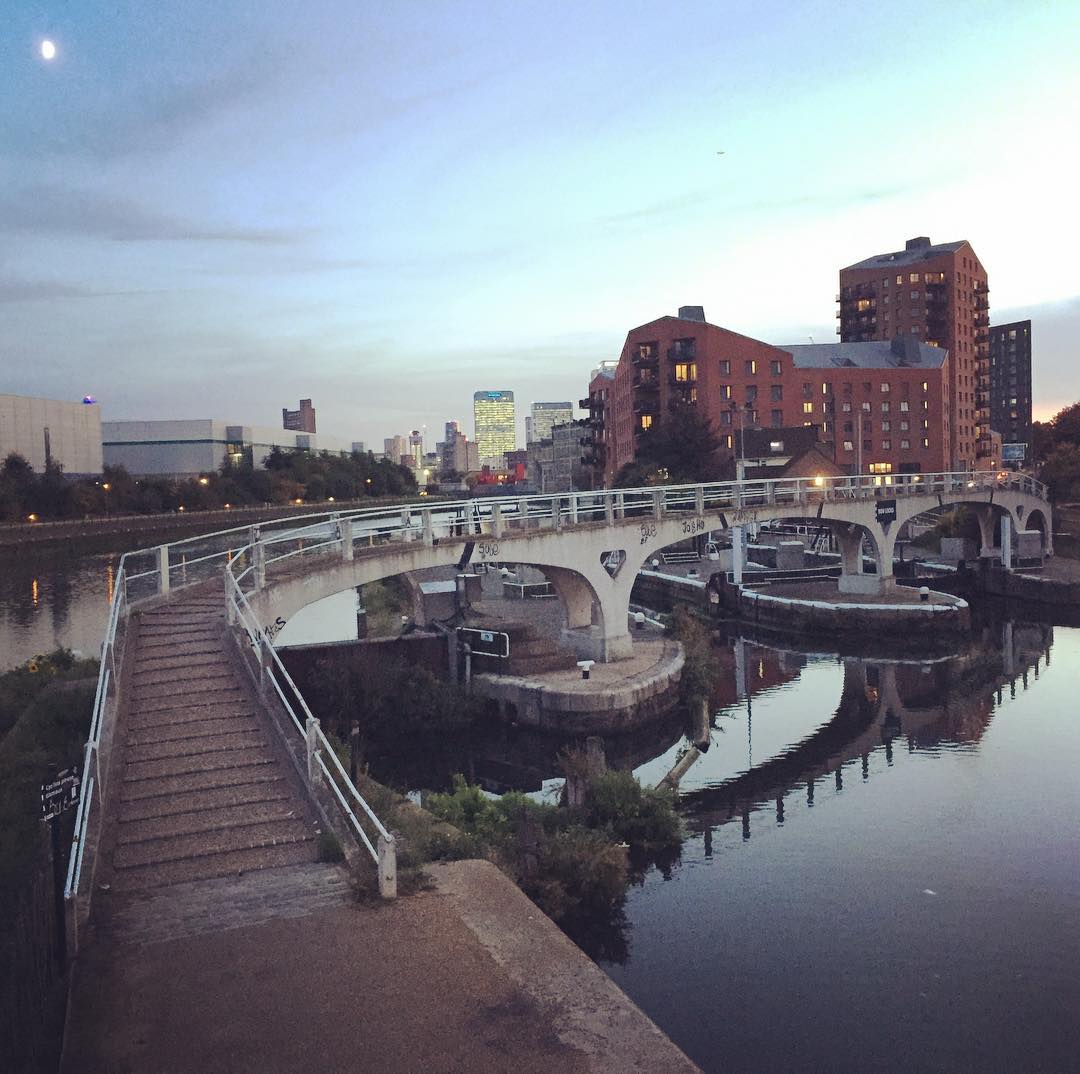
[[882, 863]]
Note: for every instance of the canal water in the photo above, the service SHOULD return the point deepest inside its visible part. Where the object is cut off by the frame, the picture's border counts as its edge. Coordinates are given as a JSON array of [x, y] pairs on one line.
[[882, 863]]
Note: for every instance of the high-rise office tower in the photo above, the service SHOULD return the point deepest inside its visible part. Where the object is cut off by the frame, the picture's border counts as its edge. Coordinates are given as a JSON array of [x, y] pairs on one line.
[[543, 417], [939, 295], [493, 414], [1010, 387]]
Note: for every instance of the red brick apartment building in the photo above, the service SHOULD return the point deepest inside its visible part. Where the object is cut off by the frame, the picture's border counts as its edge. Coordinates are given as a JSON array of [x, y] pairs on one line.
[[893, 390], [939, 295]]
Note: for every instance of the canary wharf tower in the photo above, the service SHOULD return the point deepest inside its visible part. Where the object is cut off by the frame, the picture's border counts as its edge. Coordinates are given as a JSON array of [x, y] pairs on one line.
[[493, 414]]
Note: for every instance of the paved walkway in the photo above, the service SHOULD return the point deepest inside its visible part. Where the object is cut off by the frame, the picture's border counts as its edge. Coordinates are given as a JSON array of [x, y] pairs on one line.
[[467, 977]]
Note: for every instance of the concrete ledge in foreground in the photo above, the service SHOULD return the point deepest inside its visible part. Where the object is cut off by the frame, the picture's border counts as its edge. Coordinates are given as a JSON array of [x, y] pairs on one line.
[[588, 1011]]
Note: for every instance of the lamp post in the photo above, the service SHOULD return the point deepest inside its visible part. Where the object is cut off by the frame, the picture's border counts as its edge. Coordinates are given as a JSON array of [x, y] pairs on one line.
[[740, 459]]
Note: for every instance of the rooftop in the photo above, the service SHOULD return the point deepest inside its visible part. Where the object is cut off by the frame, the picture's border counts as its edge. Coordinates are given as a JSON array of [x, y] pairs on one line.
[[901, 353], [915, 250]]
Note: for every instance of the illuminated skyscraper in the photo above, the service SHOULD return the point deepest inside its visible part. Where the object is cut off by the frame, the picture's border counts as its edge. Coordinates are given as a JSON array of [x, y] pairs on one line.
[[544, 417], [493, 414]]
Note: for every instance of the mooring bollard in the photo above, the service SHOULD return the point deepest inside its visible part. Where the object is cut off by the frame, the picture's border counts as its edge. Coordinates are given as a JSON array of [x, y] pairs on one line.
[[924, 594], [586, 667], [639, 620]]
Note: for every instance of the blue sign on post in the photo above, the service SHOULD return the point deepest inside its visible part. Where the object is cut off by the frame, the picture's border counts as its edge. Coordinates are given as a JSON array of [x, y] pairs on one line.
[[1013, 452]]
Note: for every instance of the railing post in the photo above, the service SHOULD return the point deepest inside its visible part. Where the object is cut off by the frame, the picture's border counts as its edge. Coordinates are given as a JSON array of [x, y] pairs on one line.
[[523, 510], [163, 570], [658, 504], [258, 558], [496, 521], [429, 531], [573, 509], [387, 867], [556, 513], [620, 505], [609, 510], [311, 735], [345, 526], [699, 500]]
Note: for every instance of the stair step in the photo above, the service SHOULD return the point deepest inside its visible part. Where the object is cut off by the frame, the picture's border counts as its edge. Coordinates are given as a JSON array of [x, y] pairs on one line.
[[219, 760], [205, 821], [188, 698], [216, 742], [190, 729], [168, 684], [262, 785], [231, 863], [214, 905], [168, 660], [186, 715], [163, 647], [269, 833], [219, 673]]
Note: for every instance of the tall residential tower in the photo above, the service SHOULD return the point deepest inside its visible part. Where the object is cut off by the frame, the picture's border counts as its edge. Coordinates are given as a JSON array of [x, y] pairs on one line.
[[939, 295], [1010, 386]]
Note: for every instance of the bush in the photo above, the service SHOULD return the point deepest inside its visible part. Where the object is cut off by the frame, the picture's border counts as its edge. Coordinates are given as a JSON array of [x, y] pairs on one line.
[[617, 804], [579, 871]]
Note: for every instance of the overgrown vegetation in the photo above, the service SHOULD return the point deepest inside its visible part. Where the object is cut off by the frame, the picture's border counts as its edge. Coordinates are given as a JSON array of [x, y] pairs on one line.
[[285, 476], [700, 671]]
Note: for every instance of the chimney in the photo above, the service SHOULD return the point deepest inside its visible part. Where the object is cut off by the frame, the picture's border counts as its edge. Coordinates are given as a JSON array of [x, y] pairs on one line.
[[920, 242], [696, 313]]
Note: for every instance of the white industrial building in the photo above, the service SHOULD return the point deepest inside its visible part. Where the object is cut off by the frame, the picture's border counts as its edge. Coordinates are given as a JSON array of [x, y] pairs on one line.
[[202, 445], [43, 429]]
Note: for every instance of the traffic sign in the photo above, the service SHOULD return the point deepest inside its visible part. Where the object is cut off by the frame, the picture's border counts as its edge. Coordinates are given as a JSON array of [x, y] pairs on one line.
[[60, 794], [485, 642]]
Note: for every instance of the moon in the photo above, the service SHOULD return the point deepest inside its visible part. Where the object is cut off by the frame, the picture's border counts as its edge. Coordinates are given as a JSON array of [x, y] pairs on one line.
[[48, 49]]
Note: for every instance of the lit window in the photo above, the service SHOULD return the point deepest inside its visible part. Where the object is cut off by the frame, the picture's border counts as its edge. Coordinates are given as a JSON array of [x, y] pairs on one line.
[[808, 408], [881, 467], [925, 441], [729, 441], [886, 445], [826, 389], [776, 446], [846, 407], [646, 421], [904, 406], [885, 387], [899, 279], [725, 391], [751, 367], [685, 371], [926, 385], [886, 426], [866, 408], [913, 277], [926, 404], [905, 445], [848, 445]]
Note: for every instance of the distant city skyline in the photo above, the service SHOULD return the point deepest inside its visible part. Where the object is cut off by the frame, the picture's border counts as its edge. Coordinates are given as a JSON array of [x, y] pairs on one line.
[[207, 201]]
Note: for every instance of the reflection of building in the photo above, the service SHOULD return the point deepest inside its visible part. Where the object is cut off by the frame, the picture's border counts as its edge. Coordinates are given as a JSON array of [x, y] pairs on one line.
[[201, 446], [300, 421], [543, 417], [48, 429], [1010, 383], [493, 415], [938, 295]]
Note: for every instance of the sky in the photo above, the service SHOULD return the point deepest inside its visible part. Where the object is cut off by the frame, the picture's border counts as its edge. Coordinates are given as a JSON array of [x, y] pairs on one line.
[[212, 208]]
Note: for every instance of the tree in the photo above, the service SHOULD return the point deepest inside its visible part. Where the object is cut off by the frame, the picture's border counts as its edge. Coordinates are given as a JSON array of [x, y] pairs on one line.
[[683, 446], [1061, 473]]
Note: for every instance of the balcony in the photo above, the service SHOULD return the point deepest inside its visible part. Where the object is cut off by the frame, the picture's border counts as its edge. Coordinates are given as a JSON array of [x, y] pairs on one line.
[[587, 404], [689, 382], [646, 361], [982, 339], [981, 288], [981, 320], [683, 352], [982, 303]]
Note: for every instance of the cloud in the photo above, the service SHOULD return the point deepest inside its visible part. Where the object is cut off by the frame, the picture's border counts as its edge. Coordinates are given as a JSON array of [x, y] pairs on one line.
[[13, 290], [56, 210]]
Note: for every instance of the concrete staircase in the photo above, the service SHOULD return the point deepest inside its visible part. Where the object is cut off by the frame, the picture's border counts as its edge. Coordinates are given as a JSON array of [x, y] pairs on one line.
[[202, 789], [530, 652]]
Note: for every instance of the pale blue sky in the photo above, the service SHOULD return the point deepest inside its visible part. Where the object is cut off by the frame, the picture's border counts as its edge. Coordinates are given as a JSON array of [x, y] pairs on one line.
[[212, 208]]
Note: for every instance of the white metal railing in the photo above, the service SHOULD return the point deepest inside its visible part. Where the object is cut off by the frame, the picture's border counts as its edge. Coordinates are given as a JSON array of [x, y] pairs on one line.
[[249, 551]]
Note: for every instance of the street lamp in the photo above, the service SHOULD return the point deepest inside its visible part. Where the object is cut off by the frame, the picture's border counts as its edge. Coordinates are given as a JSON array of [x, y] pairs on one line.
[[740, 460]]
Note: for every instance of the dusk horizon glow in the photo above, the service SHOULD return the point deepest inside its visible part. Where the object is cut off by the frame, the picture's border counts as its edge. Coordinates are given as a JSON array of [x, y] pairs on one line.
[[212, 212]]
